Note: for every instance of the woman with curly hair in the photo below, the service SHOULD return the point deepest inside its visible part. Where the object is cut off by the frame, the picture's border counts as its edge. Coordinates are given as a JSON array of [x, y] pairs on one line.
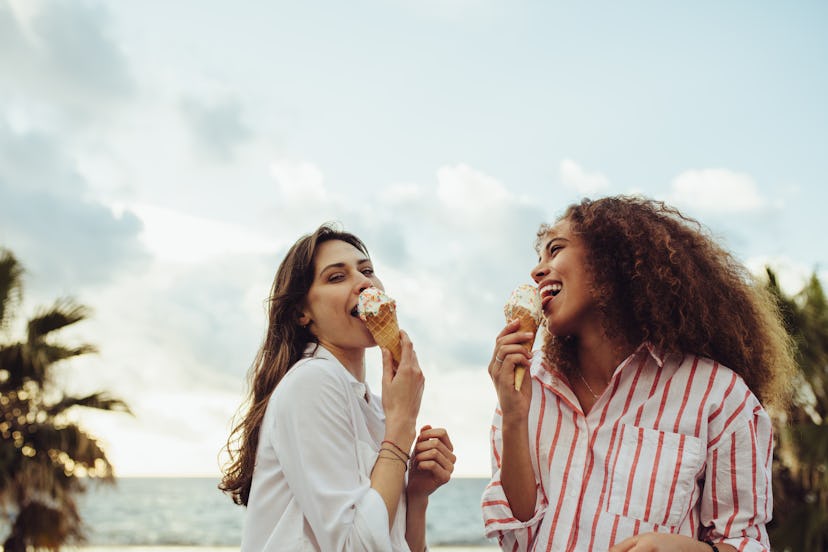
[[644, 427]]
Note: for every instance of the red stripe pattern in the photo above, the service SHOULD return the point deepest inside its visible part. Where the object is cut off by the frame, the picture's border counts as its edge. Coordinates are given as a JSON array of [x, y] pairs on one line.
[[675, 444]]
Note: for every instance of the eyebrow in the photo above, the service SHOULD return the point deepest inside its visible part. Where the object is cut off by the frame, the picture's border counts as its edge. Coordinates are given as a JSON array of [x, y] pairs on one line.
[[552, 240], [342, 265]]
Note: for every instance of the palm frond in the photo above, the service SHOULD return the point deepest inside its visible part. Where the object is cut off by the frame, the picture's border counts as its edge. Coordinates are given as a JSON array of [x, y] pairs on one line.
[[11, 289], [41, 476], [9, 464], [12, 366], [71, 448], [63, 313], [47, 354], [48, 526], [43, 460], [33, 361], [800, 485], [100, 401], [810, 441]]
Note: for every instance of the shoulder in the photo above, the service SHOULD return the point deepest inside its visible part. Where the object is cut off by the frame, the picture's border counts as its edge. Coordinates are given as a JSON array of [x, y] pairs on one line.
[[722, 381], [311, 380], [314, 370], [728, 396]]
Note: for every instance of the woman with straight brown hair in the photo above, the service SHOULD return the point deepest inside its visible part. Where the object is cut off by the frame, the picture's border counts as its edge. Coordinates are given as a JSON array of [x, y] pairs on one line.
[[320, 462]]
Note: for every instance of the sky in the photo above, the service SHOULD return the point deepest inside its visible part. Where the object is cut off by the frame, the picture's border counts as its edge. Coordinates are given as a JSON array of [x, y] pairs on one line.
[[157, 159]]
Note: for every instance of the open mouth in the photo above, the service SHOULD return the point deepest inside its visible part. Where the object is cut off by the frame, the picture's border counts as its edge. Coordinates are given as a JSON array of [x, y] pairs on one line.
[[355, 311], [549, 291]]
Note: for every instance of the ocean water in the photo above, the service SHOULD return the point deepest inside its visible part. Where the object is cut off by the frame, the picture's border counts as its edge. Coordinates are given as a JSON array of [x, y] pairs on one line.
[[192, 512]]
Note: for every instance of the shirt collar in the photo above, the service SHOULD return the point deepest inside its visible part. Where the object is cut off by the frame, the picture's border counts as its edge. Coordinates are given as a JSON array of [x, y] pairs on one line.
[[316, 350], [542, 371], [657, 353]]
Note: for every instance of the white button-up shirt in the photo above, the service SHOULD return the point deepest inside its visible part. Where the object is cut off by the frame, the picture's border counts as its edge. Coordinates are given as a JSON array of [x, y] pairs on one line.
[[311, 486], [673, 445]]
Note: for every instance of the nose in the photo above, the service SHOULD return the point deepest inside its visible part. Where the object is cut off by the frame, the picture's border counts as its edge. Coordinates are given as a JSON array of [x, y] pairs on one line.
[[539, 272], [363, 283]]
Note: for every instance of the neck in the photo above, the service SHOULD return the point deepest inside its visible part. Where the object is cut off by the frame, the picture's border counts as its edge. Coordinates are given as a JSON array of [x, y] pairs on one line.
[[599, 356], [352, 359]]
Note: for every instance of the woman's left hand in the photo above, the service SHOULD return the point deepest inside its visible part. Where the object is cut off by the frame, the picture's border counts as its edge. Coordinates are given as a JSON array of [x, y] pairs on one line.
[[662, 542], [432, 462]]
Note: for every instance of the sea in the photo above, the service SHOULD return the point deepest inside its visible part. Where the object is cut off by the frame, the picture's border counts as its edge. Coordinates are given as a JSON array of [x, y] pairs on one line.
[[155, 514]]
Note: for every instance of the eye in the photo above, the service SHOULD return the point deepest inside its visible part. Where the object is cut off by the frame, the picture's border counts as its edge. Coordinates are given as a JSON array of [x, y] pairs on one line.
[[553, 250], [368, 271], [336, 277]]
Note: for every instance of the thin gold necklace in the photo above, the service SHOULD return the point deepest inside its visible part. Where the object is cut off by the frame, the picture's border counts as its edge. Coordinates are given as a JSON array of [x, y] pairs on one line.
[[591, 392]]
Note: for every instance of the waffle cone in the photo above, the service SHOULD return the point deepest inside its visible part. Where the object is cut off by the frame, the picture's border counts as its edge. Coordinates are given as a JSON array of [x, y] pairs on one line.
[[527, 324], [386, 331]]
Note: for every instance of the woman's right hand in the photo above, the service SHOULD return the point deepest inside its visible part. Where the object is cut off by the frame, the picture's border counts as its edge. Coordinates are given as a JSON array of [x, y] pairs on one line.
[[509, 353], [402, 391]]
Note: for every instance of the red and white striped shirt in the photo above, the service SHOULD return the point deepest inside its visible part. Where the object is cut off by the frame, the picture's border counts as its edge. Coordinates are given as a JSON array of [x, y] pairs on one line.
[[673, 445]]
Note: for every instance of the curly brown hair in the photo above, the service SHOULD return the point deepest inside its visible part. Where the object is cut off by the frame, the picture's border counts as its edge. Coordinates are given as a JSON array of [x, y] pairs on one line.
[[658, 276], [284, 344]]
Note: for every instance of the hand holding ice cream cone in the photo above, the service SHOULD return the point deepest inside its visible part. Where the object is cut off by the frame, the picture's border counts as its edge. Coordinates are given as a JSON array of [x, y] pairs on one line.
[[524, 305]]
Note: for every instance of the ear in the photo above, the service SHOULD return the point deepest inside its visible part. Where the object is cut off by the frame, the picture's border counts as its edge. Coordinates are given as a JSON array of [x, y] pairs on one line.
[[304, 319]]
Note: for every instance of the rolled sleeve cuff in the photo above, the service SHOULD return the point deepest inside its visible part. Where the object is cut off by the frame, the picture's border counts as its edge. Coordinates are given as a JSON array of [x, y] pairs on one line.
[[497, 513], [371, 522]]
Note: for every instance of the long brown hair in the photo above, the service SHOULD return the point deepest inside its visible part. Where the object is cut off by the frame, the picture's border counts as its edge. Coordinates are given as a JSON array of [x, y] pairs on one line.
[[659, 277], [283, 346]]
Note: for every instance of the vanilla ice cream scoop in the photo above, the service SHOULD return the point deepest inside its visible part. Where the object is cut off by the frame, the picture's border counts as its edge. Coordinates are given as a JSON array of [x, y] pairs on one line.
[[524, 304], [379, 312], [524, 299]]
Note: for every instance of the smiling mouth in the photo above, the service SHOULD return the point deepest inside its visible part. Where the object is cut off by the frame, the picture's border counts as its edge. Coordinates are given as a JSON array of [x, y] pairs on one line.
[[549, 292], [552, 289]]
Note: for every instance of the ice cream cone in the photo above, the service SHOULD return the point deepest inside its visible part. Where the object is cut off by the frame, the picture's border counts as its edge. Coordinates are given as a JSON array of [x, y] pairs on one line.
[[379, 312], [385, 329], [528, 323], [524, 305]]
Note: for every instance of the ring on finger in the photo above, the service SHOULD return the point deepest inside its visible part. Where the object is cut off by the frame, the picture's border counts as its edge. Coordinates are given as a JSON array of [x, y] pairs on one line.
[[498, 359]]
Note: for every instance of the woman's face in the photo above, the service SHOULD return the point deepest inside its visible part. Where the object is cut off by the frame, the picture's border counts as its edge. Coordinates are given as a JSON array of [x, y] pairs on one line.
[[564, 284], [341, 272]]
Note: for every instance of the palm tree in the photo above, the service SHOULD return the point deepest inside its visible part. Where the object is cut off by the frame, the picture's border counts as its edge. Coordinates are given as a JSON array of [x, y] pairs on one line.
[[800, 469], [45, 459]]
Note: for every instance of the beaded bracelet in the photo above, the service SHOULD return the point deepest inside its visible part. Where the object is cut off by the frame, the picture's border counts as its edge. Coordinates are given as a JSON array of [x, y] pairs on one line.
[[713, 546], [396, 446]]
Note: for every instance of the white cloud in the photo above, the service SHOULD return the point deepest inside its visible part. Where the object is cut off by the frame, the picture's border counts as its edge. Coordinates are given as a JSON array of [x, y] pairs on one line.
[[93, 123], [179, 237], [398, 194], [585, 183], [185, 328], [59, 61], [24, 13], [299, 180], [465, 189], [792, 276], [716, 191], [218, 127]]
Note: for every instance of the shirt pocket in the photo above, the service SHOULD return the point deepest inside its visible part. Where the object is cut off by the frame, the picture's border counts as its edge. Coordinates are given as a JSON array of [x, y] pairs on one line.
[[654, 474]]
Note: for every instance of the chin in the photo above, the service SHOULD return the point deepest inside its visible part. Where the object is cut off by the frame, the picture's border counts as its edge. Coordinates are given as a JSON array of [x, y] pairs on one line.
[[559, 332]]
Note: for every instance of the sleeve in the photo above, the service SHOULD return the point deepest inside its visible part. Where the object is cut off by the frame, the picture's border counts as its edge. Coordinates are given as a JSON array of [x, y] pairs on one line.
[[737, 499], [316, 440], [498, 520]]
